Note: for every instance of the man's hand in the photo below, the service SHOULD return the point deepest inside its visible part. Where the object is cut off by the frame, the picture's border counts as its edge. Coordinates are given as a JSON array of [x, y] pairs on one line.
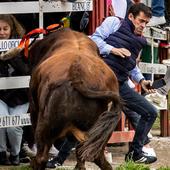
[[146, 85], [122, 52]]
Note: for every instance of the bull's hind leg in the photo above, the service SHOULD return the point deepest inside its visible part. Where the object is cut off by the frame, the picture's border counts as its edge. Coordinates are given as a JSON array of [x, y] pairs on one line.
[[102, 162], [80, 163]]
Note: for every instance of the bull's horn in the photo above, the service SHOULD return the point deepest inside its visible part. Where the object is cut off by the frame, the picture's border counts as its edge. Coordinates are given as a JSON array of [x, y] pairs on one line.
[[11, 53]]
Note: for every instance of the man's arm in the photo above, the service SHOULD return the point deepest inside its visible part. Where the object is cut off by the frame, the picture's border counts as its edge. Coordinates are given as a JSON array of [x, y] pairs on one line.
[[109, 25], [137, 76]]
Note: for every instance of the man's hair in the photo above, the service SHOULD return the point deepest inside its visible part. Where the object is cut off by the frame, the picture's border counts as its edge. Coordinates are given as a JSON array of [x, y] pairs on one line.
[[140, 7]]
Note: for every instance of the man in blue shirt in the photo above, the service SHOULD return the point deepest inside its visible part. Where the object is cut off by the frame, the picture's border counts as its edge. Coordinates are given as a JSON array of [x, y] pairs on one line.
[[120, 42]]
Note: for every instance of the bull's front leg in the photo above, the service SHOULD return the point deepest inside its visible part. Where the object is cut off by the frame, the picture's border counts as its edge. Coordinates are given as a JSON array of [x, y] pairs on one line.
[[44, 143], [39, 162]]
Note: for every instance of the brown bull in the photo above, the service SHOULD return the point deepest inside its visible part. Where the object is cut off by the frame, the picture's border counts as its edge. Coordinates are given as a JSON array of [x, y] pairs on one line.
[[72, 91]]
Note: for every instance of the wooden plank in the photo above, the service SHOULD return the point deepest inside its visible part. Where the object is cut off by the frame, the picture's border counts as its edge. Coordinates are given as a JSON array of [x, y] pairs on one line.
[[122, 136], [164, 123], [121, 124]]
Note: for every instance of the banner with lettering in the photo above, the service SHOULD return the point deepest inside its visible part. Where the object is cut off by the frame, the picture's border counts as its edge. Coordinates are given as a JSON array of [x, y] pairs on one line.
[[8, 44], [15, 120]]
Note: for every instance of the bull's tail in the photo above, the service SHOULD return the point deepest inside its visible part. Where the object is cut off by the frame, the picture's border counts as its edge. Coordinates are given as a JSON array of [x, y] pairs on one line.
[[99, 135]]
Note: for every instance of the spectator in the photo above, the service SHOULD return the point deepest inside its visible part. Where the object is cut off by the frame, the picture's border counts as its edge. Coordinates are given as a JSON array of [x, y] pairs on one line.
[[117, 9], [158, 13], [135, 74], [12, 101], [157, 7], [111, 38]]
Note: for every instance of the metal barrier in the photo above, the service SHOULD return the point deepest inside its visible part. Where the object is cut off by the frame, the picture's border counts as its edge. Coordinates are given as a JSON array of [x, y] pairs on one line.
[[42, 7], [14, 83]]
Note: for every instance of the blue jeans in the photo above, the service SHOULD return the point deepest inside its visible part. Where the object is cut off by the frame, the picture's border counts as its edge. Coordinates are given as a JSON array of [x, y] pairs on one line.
[[158, 8], [134, 118], [64, 148], [148, 113], [14, 134]]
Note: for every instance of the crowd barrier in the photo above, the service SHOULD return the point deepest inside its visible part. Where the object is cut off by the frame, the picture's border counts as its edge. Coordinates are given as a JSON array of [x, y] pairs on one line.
[[14, 83]]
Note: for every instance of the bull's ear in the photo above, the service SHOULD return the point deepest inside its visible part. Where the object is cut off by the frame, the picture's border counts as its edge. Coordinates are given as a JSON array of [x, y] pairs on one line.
[[11, 53]]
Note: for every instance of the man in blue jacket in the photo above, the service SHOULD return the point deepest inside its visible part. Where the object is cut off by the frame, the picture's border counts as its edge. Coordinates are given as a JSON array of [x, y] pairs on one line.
[[120, 42]]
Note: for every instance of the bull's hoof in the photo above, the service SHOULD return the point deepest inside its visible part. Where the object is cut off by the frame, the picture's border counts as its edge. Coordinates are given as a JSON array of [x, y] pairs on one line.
[[32, 163], [79, 168], [36, 166]]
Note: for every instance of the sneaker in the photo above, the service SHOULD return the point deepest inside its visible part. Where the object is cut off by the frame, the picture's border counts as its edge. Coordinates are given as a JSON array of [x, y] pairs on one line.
[[166, 62], [53, 163], [158, 100], [14, 160], [4, 159], [34, 148], [150, 136], [142, 158], [148, 151], [27, 151], [25, 159], [154, 21], [53, 151]]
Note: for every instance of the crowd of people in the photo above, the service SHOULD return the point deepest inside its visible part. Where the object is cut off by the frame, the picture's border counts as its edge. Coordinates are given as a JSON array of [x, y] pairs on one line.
[[115, 38], [12, 101]]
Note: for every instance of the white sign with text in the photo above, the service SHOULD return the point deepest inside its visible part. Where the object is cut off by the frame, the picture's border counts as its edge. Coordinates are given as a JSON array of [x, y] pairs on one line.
[[8, 44], [15, 120]]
